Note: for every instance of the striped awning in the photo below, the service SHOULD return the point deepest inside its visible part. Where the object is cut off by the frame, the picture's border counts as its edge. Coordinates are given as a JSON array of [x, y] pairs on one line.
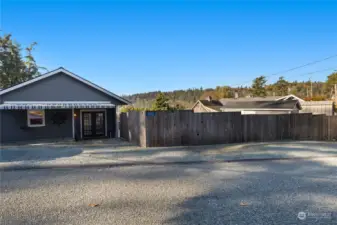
[[54, 105]]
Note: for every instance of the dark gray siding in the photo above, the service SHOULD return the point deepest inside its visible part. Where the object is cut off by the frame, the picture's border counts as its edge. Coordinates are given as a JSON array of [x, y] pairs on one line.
[[1, 127], [77, 124], [60, 87], [14, 126], [111, 122]]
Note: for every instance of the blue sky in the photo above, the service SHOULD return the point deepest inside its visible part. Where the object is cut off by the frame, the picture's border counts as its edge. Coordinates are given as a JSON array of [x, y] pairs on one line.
[[134, 46]]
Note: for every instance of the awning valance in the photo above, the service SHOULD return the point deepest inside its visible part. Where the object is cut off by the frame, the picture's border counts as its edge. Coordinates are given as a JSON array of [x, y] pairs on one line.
[[54, 105]]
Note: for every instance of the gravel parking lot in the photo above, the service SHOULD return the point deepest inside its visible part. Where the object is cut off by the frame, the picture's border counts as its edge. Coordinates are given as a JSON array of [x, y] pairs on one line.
[[268, 192]]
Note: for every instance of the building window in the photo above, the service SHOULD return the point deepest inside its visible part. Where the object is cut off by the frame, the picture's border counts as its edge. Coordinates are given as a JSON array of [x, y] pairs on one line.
[[36, 118]]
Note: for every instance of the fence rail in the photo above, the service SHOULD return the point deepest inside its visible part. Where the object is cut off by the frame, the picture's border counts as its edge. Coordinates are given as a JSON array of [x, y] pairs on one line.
[[153, 129]]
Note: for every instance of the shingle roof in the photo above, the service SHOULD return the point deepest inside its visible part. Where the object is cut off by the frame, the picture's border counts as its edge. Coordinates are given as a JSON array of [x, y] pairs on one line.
[[213, 104], [289, 104], [249, 104], [250, 99]]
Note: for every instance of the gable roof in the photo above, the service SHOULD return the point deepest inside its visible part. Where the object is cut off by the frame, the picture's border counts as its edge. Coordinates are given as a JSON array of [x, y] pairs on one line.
[[287, 104], [62, 70], [289, 97], [213, 104]]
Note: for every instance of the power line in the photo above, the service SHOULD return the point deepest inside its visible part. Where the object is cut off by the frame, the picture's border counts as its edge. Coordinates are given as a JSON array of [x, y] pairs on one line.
[[294, 68], [332, 68], [317, 71], [298, 67]]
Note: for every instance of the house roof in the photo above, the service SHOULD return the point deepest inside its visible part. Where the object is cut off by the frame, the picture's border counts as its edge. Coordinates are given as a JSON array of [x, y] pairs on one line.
[[57, 71], [289, 104], [213, 104], [250, 99], [267, 98], [273, 102], [290, 97]]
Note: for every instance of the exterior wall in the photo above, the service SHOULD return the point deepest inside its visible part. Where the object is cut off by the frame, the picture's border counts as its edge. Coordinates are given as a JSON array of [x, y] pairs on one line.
[[198, 108], [14, 126], [318, 109], [58, 88]]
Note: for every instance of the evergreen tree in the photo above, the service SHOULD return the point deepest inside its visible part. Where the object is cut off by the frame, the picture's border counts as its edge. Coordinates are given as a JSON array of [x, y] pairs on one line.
[[14, 68], [281, 87], [161, 102], [258, 87]]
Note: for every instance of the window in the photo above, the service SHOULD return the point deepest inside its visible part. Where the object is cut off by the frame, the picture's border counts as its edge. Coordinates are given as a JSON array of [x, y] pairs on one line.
[[36, 118]]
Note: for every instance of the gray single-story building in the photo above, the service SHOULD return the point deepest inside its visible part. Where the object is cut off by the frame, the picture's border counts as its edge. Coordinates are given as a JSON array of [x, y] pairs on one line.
[[57, 105]]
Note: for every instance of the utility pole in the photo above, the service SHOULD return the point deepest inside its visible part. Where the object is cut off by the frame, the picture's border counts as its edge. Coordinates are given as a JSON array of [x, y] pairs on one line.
[[336, 93], [310, 88]]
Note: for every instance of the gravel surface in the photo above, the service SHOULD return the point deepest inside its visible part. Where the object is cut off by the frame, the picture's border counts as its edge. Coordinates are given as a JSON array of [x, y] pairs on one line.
[[119, 153], [223, 193]]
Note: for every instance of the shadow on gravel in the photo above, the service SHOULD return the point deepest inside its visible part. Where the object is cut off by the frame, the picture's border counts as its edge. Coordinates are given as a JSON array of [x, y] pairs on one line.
[[36, 153], [273, 194]]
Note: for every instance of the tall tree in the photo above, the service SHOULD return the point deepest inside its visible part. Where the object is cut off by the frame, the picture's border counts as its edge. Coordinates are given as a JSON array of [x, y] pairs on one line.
[[258, 87], [224, 92], [161, 102], [330, 83], [15, 68], [281, 87], [211, 94]]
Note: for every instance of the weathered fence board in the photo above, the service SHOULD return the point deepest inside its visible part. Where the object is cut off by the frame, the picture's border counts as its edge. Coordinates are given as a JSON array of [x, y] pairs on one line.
[[187, 128], [133, 127]]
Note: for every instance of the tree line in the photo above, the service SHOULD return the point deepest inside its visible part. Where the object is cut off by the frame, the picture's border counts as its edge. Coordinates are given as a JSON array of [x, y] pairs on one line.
[[308, 90]]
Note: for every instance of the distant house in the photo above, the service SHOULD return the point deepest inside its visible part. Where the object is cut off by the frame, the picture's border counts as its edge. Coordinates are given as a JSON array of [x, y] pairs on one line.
[[207, 105], [248, 105], [314, 107], [265, 105]]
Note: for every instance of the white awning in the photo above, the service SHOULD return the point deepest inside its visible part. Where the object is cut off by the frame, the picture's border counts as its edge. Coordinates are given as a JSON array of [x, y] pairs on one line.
[[55, 105]]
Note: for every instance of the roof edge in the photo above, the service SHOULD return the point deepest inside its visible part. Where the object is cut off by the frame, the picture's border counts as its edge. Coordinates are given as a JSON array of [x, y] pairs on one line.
[[56, 71]]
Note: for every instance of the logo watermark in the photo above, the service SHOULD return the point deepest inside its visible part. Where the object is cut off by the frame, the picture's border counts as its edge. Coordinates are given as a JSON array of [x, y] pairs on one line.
[[315, 215]]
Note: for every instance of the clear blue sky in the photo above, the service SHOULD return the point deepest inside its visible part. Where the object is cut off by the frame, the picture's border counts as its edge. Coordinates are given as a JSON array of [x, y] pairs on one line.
[[133, 46]]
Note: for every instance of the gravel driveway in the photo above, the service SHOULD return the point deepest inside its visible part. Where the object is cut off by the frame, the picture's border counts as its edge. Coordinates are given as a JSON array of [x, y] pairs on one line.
[[254, 193], [121, 153]]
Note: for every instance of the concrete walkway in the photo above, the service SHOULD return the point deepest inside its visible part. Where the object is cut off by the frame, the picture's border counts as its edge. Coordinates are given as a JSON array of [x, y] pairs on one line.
[[120, 153]]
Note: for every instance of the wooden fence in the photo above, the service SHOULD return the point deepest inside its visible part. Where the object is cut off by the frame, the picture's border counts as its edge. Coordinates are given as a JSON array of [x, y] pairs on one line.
[[132, 127], [151, 129]]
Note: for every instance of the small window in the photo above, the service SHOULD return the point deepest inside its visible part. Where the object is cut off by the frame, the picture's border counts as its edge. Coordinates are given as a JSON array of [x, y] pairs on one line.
[[36, 118]]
